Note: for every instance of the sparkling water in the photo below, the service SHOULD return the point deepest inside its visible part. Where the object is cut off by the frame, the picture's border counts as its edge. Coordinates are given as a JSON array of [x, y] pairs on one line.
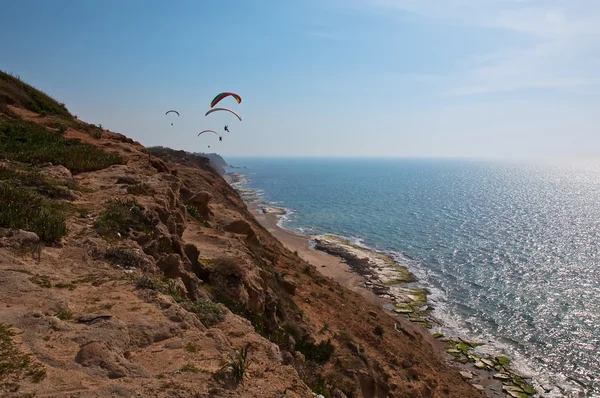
[[510, 251]]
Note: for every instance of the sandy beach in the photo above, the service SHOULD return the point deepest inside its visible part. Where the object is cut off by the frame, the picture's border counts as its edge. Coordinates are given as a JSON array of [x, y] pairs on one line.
[[330, 266]]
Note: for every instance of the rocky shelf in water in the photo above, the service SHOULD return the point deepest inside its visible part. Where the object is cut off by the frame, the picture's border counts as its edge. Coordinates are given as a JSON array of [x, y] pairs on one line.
[[278, 211], [513, 384], [383, 276], [387, 279]]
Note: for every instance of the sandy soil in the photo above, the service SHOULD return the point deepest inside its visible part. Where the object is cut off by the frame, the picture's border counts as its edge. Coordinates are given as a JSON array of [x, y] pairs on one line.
[[330, 266]]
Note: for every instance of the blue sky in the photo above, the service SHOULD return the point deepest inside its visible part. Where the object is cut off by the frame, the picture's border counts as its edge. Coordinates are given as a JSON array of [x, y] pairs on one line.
[[444, 78]]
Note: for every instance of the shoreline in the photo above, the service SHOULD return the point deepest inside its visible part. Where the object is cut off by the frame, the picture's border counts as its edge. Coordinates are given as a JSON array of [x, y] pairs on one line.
[[381, 280]]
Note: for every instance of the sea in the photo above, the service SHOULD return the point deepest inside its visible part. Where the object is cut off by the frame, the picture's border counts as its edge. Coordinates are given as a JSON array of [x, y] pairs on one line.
[[510, 250]]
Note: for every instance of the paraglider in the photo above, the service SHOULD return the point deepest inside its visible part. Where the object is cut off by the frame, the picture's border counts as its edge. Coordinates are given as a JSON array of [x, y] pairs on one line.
[[219, 97], [226, 128], [211, 131], [174, 111], [224, 109]]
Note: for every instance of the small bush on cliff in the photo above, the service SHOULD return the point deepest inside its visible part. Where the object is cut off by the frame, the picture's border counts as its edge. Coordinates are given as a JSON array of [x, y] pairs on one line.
[[127, 181], [121, 216], [209, 312], [21, 208], [172, 289], [122, 256], [238, 364], [140, 189], [319, 353], [37, 182], [29, 142], [378, 330], [193, 211], [15, 365]]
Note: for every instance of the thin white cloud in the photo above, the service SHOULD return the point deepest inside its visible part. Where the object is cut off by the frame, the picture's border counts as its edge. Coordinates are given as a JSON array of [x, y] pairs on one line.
[[562, 39]]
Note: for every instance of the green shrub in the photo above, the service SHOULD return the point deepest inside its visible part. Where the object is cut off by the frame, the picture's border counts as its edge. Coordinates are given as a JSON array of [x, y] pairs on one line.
[[319, 353], [238, 364], [122, 256], [147, 283], [21, 208], [36, 181], [378, 330], [189, 368], [191, 347], [65, 315], [127, 181], [41, 280], [29, 142], [121, 216], [15, 365], [209, 312], [193, 211], [172, 289]]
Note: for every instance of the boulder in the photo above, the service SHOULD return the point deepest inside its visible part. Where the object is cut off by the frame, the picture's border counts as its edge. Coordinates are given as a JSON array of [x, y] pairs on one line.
[[287, 358], [97, 354], [56, 173], [200, 201], [242, 227], [17, 238], [288, 285], [466, 375], [171, 265], [159, 165]]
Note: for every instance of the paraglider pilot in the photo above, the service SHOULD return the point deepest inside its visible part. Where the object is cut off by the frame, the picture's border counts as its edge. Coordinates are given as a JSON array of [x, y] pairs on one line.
[[226, 128]]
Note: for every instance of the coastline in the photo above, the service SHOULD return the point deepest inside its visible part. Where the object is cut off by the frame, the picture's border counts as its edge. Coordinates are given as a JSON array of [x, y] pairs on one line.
[[381, 280]]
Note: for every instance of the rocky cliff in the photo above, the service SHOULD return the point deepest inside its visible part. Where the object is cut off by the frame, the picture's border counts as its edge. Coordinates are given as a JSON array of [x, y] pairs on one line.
[[126, 272]]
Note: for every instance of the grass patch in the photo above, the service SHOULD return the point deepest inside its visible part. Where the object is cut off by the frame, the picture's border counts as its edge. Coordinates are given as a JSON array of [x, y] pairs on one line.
[[13, 91], [65, 315], [238, 364], [148, 283], [29, 142], [209, 312], [140, 189], [122, 256], [121, 216], [15, 365], [502, 360], [191, 347], [41, 280], [24, 209], [172, 289], [128, 181], [193, 211], [38, 183], [189, 368]]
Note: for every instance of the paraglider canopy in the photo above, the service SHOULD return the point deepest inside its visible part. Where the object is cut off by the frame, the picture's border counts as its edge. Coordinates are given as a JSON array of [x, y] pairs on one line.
[[223, 109], [174, 111], [219, 97], [207, 131]]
